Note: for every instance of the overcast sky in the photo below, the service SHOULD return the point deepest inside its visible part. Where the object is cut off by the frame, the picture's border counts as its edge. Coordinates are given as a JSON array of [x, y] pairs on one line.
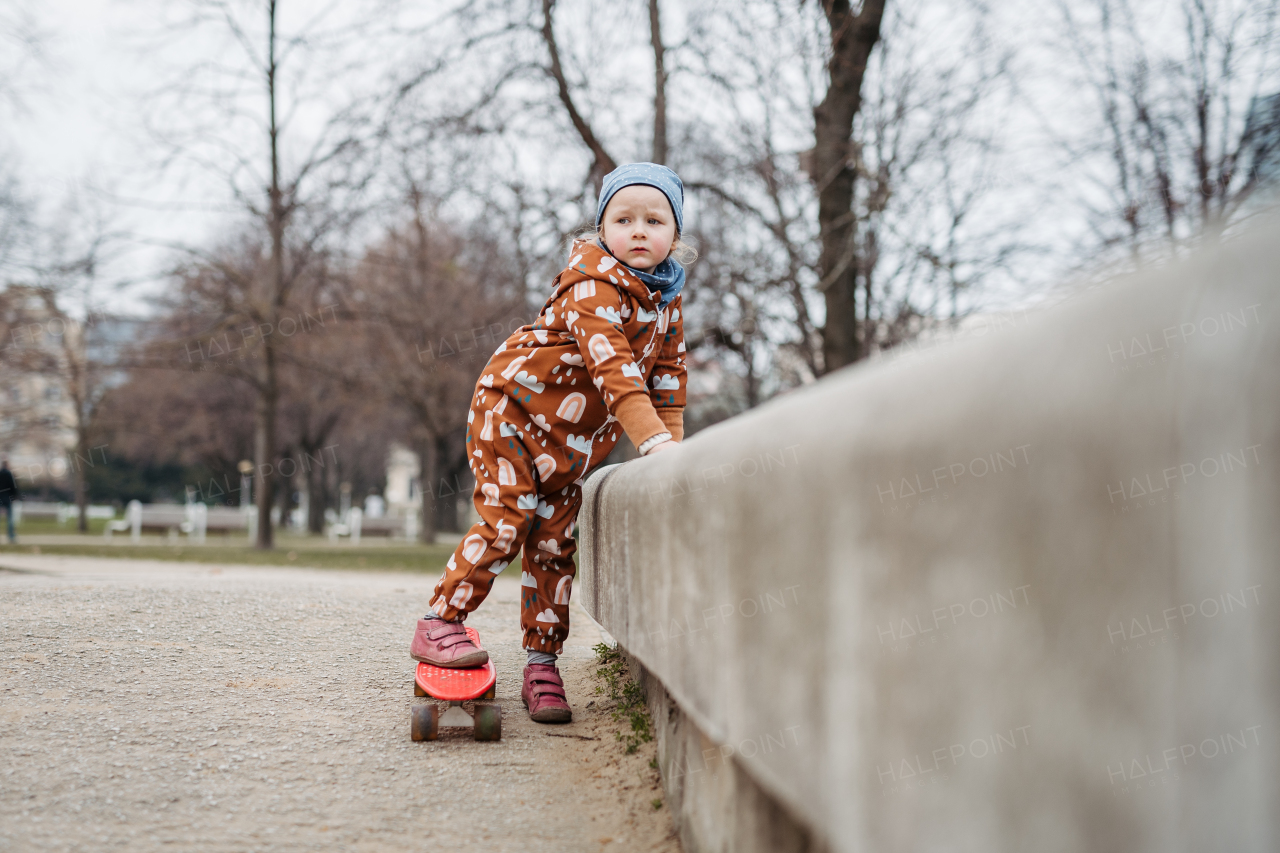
[[75, 123], [77, 129]]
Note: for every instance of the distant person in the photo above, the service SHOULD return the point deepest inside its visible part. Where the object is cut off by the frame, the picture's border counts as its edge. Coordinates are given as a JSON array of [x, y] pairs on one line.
[[604, 356], [8, 494]]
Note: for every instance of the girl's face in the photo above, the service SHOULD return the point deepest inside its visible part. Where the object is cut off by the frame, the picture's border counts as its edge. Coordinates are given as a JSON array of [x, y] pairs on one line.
[[639, 226]]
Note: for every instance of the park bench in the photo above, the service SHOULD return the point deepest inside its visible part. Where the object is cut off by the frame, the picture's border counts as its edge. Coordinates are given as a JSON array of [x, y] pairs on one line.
[[61, 511], [359, 525], [226, 519], [389, 526], [191, 519]]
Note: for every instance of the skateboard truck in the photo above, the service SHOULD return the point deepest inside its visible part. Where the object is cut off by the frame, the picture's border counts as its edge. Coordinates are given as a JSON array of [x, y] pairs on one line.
[[427, 720], [457, 717], [453, 687]]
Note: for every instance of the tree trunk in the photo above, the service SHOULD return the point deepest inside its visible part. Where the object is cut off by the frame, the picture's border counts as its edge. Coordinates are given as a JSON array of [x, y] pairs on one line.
[[284, 495], [427, 487], [601, 164], [264, 442], [852, 38], [659, 86], [316, 493], [82, 493], [264, 438], [448, 489]]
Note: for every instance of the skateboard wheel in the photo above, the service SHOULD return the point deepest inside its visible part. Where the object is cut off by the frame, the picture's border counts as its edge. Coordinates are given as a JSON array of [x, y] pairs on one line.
[[488, 722], [417, 689], [425, 722], [491, 693]]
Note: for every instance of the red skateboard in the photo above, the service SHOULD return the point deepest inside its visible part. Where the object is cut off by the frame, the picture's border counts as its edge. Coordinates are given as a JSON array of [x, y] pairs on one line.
[[456, 686]]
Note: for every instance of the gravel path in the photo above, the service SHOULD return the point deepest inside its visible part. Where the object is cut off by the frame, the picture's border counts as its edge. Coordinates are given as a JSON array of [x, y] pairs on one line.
[[148, 706]]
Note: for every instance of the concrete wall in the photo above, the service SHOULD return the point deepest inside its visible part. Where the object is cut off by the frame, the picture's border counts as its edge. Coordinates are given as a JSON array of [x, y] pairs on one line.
[[715, 803], [1012, 593]]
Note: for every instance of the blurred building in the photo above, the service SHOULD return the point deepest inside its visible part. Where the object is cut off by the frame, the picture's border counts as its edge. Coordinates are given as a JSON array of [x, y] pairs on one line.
[[37, 411], [404, 490], [36, 415], [403, 493]]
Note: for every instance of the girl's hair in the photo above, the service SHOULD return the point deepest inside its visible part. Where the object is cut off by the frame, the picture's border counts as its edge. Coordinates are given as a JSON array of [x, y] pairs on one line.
[[683, 252]]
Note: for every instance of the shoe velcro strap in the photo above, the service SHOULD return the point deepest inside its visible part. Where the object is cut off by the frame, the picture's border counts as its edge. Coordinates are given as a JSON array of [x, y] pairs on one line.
[[448, 629], [546, 678], [541, 689]]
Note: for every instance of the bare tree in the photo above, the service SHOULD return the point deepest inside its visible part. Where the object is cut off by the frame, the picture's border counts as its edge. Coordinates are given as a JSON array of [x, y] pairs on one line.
[[195, 421], [926, 228], [659, 84], [930, 153], [49, 341], [1170, 87], [752, 293], [16, 228], [81, 373], [22, 46], [318, 393], [853, 35], [188, 368], [736, 111], [21, 57], [68, 340], [433, 306], [602, 163], [21, 357], [299, 191]]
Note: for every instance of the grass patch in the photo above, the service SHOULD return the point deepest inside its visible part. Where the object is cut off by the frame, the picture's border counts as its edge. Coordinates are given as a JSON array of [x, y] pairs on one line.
[[625, 693], [308, 553], [51, 527]]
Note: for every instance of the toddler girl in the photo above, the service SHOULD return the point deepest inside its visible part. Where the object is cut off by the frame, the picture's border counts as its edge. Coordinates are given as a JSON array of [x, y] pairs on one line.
[[605, 355]]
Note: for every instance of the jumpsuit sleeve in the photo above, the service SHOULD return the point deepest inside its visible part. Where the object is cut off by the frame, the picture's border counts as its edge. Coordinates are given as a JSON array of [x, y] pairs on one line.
[[592, 310], [667, 384]]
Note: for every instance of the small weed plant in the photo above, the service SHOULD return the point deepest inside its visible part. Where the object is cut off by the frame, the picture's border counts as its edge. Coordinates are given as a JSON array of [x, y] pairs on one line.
[[626, 695]]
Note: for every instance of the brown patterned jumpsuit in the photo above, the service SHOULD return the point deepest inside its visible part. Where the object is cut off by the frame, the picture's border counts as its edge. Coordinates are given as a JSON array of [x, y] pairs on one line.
[[550, 404]]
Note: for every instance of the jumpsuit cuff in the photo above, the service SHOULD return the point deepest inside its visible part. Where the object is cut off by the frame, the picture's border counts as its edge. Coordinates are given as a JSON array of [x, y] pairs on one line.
[[673, 419], [636, 414], [649, 444]]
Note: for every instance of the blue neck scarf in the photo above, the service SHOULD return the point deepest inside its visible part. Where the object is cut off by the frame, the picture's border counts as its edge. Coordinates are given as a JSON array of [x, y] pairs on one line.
[[667, 277]]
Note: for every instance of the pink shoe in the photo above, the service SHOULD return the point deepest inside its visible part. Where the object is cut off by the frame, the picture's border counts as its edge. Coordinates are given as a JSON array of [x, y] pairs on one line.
[[442, 643], [543, 694]]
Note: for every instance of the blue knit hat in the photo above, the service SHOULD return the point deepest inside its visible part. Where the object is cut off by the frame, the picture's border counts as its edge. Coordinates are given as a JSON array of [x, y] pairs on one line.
[[649, 175]]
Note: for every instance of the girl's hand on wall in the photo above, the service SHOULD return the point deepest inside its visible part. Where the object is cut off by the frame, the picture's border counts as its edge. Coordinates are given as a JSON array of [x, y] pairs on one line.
[[658, 448]]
